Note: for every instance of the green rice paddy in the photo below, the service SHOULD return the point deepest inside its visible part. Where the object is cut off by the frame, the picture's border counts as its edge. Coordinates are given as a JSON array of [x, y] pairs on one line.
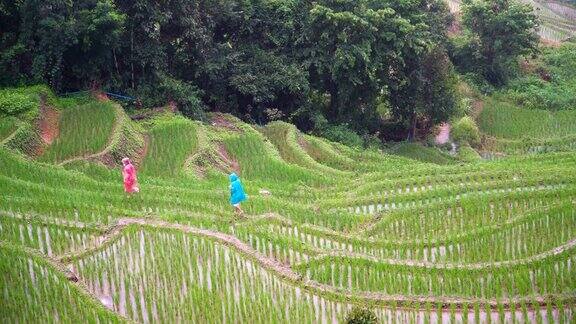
[[84, 130], [514, 130], [326, 227]]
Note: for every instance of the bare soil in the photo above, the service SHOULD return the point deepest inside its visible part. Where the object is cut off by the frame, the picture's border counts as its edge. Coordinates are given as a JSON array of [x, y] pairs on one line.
[[477, 107], [550, 43], [220, 120], [48, 123], [230, 162], [302, 142], [139, 158], [443, 135], [455, 27], [100, 96]]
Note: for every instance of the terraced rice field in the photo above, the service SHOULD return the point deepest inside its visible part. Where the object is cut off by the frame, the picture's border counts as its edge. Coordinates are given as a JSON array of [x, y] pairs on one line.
[[488, 241], [513, 130], [85, 130], [175, 139], [558, 20]]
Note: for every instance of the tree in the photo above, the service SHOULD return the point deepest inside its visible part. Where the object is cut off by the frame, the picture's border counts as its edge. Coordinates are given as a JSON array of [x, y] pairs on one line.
[[56, 41], [251, 67], [366, 52], [498, 32], [99, 28], [430, 94], [354, 49], [338, 61], [13, 56]]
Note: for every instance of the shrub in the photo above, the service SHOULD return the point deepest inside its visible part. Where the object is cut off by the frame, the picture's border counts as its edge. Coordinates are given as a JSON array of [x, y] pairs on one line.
[[551, 84], [466, 131], [336, 133], [164, 89], [14, 102], [185, 95], [468, 154], [361, 316], [342, 134]]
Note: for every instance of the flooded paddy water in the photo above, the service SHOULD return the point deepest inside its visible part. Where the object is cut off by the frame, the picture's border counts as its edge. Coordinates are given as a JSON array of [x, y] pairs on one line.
[[163, 275]]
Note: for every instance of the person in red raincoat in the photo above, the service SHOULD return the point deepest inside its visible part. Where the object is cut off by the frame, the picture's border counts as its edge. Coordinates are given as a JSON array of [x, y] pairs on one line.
[[129, 174]]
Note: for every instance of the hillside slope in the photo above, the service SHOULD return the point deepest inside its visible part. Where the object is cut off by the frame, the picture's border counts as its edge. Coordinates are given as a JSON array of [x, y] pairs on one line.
[[326, 228]]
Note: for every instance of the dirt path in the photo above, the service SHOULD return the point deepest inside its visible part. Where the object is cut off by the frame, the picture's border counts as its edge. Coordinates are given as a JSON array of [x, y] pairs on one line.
[[211, 154], [220, 121], [302, 142], [48, 123], [444, 135], [444, 265], [230, 162], [141, 155], [287, 273]]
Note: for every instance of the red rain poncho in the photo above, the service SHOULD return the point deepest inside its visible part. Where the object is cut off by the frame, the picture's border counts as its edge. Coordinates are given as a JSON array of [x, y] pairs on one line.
[[129, 174]]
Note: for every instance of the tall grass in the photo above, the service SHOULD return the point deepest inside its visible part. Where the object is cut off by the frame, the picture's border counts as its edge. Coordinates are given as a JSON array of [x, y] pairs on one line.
[[171, 142], [83, 130], [7, 126], [423, 154], [256, 162], [33, 290], [416, 241], [505, 120]]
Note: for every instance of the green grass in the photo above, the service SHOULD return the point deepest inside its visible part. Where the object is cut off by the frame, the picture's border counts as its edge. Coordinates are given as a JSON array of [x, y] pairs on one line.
[[423, 154], [33, 290], [421, 232], [284, 136], [534, 113], [7, 126], [260, 160], [505, 120], [468, 154], [83, 130], [549, 83], [171, 142], [323, 152]]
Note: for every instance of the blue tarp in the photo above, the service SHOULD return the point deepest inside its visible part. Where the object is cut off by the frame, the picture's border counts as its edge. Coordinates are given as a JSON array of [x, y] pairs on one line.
[[118, 96], [109, 94]]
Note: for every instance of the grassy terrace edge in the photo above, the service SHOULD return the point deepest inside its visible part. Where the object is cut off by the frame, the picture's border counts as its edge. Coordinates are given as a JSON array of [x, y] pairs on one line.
[[335, 294]]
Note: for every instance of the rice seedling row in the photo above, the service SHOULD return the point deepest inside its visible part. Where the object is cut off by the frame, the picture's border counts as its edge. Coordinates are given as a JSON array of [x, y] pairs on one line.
[[339, 227]]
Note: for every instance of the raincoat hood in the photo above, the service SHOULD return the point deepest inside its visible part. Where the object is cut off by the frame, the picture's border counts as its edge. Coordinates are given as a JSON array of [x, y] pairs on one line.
[[237, 194]]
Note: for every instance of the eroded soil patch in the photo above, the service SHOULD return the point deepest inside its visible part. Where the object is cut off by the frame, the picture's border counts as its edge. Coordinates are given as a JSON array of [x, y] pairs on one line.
[[231, 163], [48, 123], [220, 121]]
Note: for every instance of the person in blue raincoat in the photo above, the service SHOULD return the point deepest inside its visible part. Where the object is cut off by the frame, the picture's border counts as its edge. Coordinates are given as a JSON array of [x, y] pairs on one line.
[[237, 194]]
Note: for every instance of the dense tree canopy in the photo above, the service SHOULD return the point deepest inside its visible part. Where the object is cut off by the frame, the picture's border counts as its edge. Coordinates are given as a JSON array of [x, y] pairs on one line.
[[293, 59], [498, 31]]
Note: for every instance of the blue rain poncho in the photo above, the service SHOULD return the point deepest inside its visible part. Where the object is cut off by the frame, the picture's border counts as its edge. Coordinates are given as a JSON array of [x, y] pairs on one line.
[[237, 194]]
